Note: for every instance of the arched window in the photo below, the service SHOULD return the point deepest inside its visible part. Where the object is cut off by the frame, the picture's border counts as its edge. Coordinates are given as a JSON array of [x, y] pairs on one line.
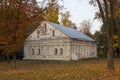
[[38, 51], [32, 51], [53, 33], [61, 51], [56, 51]]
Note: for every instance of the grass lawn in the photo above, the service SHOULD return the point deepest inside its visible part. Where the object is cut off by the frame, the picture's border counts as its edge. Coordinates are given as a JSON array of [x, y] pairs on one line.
[[90, 69]]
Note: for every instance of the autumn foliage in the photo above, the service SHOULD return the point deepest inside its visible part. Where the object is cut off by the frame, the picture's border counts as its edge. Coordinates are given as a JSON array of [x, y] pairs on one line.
[[16, 18]]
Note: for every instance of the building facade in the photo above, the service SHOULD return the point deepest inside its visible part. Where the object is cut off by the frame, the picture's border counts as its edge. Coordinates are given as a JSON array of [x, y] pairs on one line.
[[51, 41]]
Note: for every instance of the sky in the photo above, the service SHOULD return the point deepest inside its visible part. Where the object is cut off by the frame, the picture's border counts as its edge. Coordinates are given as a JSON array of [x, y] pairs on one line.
[[81, 10]]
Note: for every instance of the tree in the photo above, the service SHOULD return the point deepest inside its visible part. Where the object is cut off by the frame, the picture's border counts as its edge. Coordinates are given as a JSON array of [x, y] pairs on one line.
[[52, 11], [65, 21], [117, 20], [16, 17], [115, 45], [85, 27], [100, 39], [107, 13]]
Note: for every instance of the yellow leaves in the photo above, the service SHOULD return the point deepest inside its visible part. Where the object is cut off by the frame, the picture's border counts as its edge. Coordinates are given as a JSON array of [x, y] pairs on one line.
[[115, 45], [118, 12], [115, 37]]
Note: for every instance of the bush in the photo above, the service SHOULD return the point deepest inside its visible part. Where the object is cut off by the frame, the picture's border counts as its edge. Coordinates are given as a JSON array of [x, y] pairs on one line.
[[102, 53]]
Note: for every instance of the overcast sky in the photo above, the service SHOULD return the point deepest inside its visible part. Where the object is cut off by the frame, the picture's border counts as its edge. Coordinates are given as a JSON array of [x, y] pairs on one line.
[[81, 10]]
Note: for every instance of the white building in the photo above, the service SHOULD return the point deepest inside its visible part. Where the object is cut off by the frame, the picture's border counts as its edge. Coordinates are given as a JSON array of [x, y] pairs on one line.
[[51, 41]]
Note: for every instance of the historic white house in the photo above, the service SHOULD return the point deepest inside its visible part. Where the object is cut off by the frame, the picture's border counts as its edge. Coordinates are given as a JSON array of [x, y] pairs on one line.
[[52, 41]]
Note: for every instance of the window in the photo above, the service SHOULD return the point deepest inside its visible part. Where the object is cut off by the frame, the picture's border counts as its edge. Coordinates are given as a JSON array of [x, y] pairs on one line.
[[61, 51], [37, 35], [53, 33], [78, 54], [45, 29], [32, 51], [56, 51], [45, 26], [38, 32], [38, 51]]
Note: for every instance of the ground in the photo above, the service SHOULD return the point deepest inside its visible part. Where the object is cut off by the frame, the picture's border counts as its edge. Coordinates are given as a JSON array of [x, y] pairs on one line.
[[89, 69]]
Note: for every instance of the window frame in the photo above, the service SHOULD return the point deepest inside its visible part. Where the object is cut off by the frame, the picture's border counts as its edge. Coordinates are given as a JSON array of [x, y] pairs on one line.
[[53, 33], [61, 51], [38, 34], [39, 51], [33, 51], [56, 51]]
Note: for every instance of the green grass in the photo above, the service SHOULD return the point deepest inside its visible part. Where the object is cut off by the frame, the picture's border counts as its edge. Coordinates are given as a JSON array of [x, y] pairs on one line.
[[87, 69]]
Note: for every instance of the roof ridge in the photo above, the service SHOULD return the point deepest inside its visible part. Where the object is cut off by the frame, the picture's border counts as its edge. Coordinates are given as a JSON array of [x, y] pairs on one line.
[[72, 33], [63, 26]]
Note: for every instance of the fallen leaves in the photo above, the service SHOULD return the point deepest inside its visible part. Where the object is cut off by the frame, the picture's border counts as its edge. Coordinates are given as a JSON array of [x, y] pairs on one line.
[[55, 70]]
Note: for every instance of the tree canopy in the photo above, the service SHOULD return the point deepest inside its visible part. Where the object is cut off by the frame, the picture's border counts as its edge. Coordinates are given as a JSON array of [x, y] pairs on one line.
[[107, 13], [16, 17]]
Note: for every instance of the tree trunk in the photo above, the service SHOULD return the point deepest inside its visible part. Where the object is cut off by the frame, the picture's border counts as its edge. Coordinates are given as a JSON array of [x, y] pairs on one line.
[[14, 60], [119, 37], [8, 58], [118, 28], [105, 18], [110, 60], [109, 33], [117, 22], [110, 55]]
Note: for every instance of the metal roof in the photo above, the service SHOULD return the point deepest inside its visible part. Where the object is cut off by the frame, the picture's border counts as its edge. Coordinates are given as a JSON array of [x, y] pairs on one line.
[[72, 33]]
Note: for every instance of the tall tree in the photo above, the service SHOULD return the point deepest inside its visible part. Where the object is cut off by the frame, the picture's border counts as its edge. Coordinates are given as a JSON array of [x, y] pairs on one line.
[[117, 20], [16, 17], [106, 9], [65, 20], [52, 11], [116, 23]]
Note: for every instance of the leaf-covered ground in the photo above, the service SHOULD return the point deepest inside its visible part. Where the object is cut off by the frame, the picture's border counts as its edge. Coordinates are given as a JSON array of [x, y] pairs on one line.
[[90, 69]]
